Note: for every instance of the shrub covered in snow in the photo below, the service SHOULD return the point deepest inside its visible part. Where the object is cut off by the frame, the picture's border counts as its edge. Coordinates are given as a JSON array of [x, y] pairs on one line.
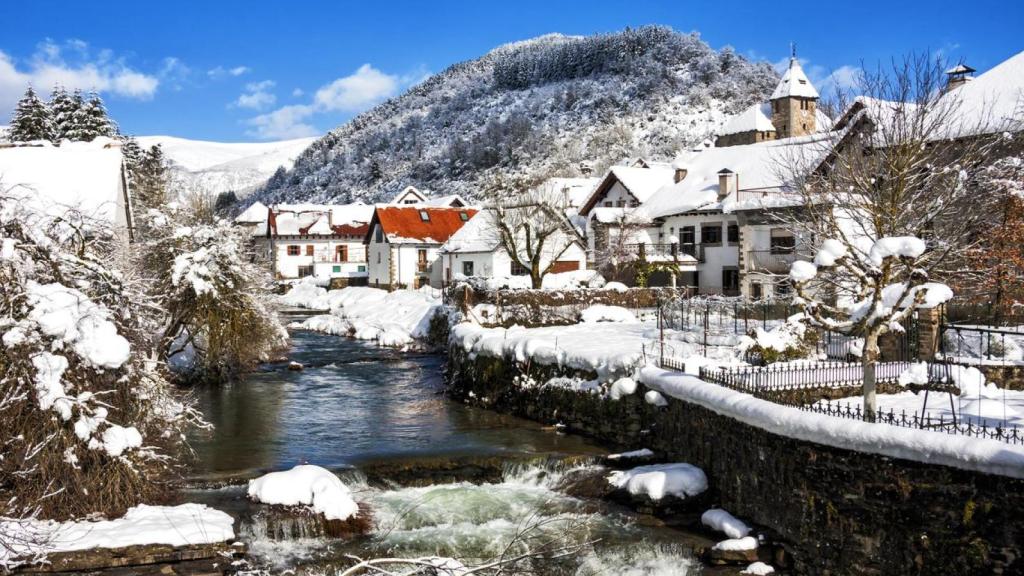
[[87, 421], [218, 317], [604, 313], [785, 342]]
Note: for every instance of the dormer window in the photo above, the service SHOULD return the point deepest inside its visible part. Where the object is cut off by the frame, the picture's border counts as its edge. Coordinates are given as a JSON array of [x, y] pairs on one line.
[[463, 216], [424, 215]]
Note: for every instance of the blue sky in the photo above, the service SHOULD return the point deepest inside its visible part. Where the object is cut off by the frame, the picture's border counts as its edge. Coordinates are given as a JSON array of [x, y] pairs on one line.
[[247, 71]]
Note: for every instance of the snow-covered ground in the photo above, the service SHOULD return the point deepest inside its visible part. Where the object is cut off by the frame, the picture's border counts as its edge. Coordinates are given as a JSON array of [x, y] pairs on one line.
[[395, 319], [221, 166], [180, 525]]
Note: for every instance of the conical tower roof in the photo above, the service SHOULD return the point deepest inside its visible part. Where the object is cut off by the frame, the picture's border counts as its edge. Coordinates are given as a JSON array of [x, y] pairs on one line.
[[794, 83]]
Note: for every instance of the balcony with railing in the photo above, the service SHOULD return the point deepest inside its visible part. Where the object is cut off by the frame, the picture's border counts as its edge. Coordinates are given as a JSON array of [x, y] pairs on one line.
[[774, 260], [666, 252], [768, 197]]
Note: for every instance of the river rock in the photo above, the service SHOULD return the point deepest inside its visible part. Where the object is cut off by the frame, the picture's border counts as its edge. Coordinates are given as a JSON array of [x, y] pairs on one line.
[[297, 522], [295, 366], [200, 559]]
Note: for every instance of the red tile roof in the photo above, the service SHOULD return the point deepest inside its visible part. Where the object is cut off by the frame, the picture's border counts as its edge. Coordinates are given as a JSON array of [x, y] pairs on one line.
[[406, 223]]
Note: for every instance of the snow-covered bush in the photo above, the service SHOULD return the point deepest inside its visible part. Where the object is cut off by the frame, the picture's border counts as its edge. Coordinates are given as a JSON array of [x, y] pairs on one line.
[[87, 421], [218, 320], [788, 341]]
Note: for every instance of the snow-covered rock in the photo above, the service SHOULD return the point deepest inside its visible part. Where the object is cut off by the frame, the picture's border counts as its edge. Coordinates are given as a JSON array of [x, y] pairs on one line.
[[394, 319], [721, 521], [181, 525], [306, 485], [759, 569], [657, 481]]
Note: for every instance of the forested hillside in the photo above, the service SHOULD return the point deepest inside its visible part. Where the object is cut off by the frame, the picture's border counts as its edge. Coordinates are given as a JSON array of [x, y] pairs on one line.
[[538, 106]]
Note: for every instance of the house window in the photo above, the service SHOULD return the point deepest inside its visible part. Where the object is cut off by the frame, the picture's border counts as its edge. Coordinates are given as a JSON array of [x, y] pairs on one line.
[[305, 271], [464, 216], [734, 234], [293, 250], [782, 242], [607, 203], [424, 215], [361, 268], [378, 257], [467, 268], [711, 234], [730, 280], [688, 235], [336, 269], [518, 269], [341, 253], [621, 204], [309, 249], [378, 234], [756, 291]]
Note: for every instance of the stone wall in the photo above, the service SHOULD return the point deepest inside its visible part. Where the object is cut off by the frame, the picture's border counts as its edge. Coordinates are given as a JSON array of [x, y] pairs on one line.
[[835, 511]]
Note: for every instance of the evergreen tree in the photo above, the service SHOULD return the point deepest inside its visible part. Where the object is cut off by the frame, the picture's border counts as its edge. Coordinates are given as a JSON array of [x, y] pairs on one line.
[[78, 128], [62, 108], [31, 119], [95, 121], [150, 180]]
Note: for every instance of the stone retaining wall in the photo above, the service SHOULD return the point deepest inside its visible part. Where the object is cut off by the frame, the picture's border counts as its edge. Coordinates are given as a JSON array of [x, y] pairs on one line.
[[835, 511], [553, 307]]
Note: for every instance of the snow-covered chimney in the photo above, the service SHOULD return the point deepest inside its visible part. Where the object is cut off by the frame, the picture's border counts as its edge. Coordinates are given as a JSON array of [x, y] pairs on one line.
[[680, 170], [957, 76], [727, 180], [586, 169]]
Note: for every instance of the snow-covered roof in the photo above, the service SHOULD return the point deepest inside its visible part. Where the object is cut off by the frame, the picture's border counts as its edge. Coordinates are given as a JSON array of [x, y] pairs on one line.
[[319, 219], [756, 118], [479, 234], [794, 83], [449, 201], [992, 102], [765, 166], [642, 183], [960, 69], [81, 176], [255, 214]]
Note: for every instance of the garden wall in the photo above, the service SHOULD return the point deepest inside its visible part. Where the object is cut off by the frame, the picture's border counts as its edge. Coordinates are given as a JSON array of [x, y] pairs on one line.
[[835, 511]]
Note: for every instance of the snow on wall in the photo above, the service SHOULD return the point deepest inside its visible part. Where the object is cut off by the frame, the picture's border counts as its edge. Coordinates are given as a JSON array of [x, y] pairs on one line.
[[968, 453]]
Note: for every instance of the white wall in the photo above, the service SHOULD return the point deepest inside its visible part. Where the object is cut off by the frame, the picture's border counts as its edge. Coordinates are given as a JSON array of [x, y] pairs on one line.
[[618, 196], [324, 251], [717, 256]]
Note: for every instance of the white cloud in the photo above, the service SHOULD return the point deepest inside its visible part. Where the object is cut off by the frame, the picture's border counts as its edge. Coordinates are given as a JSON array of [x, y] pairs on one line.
[[350, 94], [358, 91], [75, 66], [284, 123], [257, 96], [222, 72]]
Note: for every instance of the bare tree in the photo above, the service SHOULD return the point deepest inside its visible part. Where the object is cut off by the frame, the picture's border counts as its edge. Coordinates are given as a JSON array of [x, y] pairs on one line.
[[887, 204], [532, 227]]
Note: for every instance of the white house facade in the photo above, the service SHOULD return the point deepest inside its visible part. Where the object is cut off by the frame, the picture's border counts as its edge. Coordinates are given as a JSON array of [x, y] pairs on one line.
[[403, 244]]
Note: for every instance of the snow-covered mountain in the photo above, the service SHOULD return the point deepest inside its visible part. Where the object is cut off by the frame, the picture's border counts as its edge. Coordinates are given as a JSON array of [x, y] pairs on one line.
[[539, 106], [218, 167]]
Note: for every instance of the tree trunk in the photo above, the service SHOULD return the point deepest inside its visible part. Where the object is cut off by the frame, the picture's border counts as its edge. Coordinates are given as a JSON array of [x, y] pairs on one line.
[[536, 278], [868, 360]]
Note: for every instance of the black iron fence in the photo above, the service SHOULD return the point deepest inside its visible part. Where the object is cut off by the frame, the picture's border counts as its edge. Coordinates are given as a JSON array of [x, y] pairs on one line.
[[765, 381]]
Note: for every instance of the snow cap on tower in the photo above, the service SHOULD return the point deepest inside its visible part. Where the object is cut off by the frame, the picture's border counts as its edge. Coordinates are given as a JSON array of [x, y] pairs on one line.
[[794, 82]]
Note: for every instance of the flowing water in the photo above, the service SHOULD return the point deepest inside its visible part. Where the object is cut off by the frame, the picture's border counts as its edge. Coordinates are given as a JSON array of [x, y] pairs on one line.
[[438, 477]]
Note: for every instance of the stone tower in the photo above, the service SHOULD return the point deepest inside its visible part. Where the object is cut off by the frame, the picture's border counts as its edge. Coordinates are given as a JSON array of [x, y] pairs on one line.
[[794, 103]]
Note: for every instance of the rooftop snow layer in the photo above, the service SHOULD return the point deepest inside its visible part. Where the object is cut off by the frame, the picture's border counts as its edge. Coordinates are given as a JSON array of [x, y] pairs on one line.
[[794, 83]]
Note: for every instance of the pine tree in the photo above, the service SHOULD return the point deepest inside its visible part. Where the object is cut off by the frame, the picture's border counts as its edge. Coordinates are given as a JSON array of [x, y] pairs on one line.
[[95, 121], [62, 108], [31, 119], [78, 128]]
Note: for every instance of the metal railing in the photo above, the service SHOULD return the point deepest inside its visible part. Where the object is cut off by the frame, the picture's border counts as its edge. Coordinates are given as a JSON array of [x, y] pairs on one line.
[[764, 381], [666, 251], [769, 196]]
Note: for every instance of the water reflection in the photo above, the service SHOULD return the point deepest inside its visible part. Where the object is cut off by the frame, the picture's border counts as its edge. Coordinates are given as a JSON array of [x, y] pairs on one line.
[[354, 402]]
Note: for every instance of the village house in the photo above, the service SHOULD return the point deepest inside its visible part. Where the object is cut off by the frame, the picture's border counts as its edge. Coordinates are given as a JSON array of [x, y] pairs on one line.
[[323, 241], [253, 219], [403, 243], [78, 180], [476, 250]]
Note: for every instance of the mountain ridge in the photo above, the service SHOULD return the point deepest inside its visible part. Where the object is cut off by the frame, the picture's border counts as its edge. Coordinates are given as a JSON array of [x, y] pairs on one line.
[[546, 105]]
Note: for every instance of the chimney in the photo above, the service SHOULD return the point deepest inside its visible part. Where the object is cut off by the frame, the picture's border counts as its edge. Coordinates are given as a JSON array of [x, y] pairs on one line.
[[957, 76], [726, 183], [679, 171], [586, 168]]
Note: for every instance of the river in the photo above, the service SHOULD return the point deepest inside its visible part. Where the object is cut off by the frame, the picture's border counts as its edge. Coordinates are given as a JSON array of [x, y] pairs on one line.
[[438, 477]]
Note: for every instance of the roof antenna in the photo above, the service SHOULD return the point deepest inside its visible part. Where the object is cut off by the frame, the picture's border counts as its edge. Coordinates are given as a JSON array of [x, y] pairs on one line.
[[792, 50]]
